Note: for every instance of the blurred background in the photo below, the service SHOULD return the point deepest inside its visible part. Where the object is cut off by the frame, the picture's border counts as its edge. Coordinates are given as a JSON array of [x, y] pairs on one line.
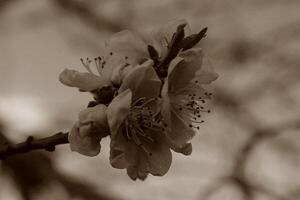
[[249, 147]]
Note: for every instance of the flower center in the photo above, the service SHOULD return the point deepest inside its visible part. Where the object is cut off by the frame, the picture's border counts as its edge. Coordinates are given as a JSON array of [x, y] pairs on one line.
[[103, 95], [141, 122], [190, 106], [101, 62]]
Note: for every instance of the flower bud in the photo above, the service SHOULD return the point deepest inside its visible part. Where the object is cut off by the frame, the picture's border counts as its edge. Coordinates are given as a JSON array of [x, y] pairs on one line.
[[88, 131]]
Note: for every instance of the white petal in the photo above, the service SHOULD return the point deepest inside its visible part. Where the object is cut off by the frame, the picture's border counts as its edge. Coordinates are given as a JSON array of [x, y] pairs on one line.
[[136, 172], [118, 110], [118, 73], [95, 114], [143, 81], [98, 118], [183, 69], [82, 141], [83, 81], [161, 157], [118, 150], [185, 150], [180, 133], [127, 44], [207, 74]]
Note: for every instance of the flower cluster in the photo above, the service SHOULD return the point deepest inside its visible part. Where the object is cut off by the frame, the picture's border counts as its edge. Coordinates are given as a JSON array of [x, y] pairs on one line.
[[148, 98]]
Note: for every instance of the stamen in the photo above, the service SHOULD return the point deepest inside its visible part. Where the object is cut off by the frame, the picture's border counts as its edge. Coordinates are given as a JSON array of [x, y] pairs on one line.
[[208, 95], [189, 106], [98, 63], [142, 133], [192, 126], [126, 130], [140, 100], [139, 143], [141, 122], [197, 122], [86, 64]]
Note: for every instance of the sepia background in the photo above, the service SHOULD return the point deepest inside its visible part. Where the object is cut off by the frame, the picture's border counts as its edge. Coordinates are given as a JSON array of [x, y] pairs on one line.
[[249, 147]]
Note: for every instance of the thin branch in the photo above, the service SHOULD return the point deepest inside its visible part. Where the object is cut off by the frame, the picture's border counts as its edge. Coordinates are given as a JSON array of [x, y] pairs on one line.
[[272, 194], [259, 134], [47, 143], [216, 186]]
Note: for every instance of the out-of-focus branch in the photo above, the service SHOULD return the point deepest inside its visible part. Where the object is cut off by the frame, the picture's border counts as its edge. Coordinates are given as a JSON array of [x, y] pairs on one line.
[[48, 143], [84, 11], [35, 171], [259, 134], [217, 185], [272, 194]]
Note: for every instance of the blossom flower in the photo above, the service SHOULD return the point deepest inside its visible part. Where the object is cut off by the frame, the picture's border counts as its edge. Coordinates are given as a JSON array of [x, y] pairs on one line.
[[88, 131], [183, 97], [137, 134], [148, 98], [122, 50]]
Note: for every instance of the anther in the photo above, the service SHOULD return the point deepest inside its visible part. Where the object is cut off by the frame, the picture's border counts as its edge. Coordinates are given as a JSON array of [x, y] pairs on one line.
[[86, 64]]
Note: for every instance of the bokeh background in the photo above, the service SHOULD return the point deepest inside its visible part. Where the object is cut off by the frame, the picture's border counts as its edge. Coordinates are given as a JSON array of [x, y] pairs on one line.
[[249, 147]]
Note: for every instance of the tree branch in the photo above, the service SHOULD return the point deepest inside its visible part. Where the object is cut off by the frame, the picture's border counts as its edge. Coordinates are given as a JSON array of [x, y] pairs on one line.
[[47, 143]]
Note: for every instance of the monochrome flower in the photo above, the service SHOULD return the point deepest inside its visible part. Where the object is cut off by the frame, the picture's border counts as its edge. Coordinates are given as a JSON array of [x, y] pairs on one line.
[[184, 98], [122, 50], [137, 133], [88, 131], [148, 97]]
